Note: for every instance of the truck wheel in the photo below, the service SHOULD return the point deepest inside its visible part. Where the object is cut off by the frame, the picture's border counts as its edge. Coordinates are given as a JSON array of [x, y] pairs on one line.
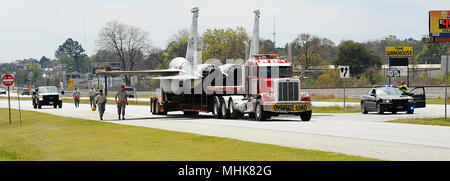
[[410, 111], [251, 115], [260, 114], [363, 108], [216, 109], [306, 116], [233, 113], [152, 107], [225, 112], [157, 107], [379, 109]]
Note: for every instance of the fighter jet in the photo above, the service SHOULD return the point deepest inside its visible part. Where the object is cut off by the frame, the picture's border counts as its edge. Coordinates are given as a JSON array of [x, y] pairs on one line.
[[180, 68]]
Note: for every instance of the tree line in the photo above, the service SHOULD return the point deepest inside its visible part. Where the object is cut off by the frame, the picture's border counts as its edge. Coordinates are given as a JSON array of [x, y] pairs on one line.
[[131, 46]]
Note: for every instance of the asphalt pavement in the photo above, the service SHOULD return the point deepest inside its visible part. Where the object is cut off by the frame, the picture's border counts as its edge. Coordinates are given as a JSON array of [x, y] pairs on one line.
[[350, 133]]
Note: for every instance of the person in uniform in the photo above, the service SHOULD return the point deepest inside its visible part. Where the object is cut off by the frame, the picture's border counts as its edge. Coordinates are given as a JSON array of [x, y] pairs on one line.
[[121, 100], [92, 97], [100, 101], [76, 97], [403, 87]]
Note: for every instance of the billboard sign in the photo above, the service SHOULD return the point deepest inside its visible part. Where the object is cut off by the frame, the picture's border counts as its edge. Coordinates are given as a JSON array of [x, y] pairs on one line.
[[439, 23], [105, 66], [399, 51]]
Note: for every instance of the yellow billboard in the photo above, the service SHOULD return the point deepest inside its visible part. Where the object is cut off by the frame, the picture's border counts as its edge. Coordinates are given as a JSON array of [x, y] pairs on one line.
[[399, 51], [439, 23]]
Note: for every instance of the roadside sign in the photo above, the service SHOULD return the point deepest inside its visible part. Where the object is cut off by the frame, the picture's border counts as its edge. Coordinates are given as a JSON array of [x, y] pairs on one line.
[[8, 80], [344, 71], [393, 73], [404, 61], [70, 85], [439, 23], [399, 51]]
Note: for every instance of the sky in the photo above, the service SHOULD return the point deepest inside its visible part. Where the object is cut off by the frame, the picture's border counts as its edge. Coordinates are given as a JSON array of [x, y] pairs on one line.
[[32, 29]]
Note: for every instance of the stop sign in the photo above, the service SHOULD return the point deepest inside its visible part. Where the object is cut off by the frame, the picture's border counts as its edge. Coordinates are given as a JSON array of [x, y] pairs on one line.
[[8, 79]]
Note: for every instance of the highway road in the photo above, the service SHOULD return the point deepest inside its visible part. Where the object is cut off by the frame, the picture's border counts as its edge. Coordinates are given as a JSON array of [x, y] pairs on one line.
[[351, 133]]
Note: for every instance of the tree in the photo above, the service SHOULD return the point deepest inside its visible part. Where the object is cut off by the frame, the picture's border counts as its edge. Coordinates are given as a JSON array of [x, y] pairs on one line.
[[224, 44], [69, 47], [307, 51], [431, 53], [372, 75], [357, 56], [126, 41], [73, 49], [379, 46], [266, 46], [104, 56], [44, 62]]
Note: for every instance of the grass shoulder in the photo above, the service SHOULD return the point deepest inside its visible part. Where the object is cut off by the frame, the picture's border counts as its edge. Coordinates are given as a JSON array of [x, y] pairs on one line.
[[48, 137], [424, 121]]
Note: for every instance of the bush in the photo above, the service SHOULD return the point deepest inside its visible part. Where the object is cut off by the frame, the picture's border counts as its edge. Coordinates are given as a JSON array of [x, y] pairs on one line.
[[372, 76]]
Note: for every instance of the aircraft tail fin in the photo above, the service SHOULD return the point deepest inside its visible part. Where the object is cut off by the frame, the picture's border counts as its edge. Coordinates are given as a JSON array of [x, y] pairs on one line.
[[254, 46]]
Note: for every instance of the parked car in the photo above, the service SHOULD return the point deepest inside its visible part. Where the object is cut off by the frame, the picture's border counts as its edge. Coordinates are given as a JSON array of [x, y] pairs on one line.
[[129, 91], [2, 91], [47, 95], [391, 99]]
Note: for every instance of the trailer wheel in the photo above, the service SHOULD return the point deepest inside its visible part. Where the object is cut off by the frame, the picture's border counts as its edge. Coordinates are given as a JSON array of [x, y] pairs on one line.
[[306, 116], [158, 108], [260, 114], [225, 112], [216, 109]]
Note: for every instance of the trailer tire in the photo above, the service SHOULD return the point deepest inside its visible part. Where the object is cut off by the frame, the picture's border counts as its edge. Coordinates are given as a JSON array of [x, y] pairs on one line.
[[153, 107], [216, 109], [158, 108], [224, 111], [306, 116]]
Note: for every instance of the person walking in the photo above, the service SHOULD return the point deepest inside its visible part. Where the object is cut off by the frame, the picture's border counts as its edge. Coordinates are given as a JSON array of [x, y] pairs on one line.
[[100, 101], [92, 97], [121, 100], [76, 97]]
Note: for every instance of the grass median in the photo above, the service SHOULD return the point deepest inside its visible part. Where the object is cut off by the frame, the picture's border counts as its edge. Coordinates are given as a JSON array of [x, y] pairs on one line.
[[424, 121], [48, 137], [336, 109]]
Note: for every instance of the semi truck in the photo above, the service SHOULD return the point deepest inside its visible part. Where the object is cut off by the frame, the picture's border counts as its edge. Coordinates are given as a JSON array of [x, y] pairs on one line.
[[263, 94], [261, 87]]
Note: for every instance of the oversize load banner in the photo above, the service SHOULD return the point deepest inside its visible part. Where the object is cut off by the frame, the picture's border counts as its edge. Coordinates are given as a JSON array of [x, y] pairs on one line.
[[399, 51], [439, 23]]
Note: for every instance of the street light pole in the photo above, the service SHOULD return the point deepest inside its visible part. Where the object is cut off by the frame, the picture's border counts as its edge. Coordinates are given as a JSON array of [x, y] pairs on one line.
[[446, 82]]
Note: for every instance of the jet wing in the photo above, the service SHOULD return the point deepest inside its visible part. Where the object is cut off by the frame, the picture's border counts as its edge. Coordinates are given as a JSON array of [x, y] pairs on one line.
[[178, 77], [166, 72]]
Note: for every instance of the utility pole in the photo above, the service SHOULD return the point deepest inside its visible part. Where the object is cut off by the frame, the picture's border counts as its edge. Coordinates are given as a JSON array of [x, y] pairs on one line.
[[274, 44]]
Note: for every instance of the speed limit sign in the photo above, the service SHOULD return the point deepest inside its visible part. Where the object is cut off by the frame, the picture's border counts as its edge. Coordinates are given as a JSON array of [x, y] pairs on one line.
[[8, 80]]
